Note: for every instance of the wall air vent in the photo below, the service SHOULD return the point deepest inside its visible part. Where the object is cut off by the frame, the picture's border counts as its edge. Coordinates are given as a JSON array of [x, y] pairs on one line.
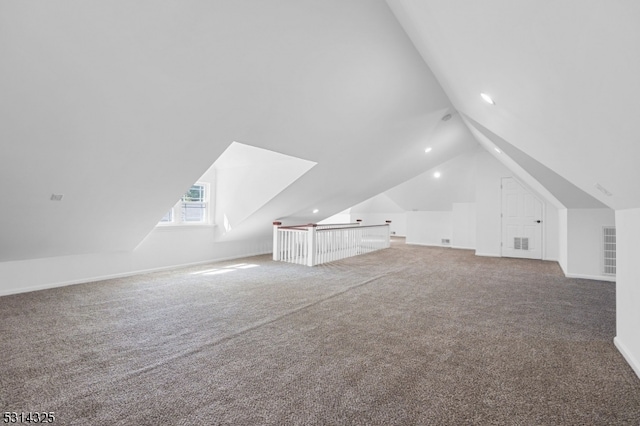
[[609, 250], [446, 241]]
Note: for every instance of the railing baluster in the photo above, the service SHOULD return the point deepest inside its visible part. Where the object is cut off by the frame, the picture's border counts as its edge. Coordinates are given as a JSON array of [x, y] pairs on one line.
[[316, 244], [283, 245], [300, 249]]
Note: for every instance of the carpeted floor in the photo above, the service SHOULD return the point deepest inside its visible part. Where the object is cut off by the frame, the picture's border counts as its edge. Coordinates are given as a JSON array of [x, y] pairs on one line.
[[405, 336]]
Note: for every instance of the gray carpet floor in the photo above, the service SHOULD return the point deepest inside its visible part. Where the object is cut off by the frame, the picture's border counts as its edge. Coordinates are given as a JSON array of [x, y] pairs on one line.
[[404, 336]]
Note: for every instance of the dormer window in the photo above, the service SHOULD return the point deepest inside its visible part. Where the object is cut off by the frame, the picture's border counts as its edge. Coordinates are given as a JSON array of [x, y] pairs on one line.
[[192, 208]]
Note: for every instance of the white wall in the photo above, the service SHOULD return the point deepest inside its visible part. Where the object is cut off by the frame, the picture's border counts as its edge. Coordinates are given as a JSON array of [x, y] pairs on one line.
[[441, 208], [463, 225], [584, 242], [563, 249], [478, 225], [163, 248], [376, 210], [398, 225], [628, 286], [425, 192], [246, 179], [429, 228], [489, 173], [551, 234], [342, 217]]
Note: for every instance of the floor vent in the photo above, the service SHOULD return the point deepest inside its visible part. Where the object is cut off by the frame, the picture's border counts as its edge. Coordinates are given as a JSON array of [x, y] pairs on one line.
[[609, 250]]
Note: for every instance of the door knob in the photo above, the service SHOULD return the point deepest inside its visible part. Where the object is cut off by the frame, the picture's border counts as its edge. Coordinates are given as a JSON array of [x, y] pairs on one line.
[[538, 221]]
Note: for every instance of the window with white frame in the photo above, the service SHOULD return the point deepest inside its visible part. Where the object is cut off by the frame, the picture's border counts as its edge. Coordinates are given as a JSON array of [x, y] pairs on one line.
[[192, 208]]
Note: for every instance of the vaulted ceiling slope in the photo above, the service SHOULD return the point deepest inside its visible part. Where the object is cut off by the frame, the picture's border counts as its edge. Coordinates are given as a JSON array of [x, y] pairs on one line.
[[563, 75], [564, 191], [455, 183], [121, 105]]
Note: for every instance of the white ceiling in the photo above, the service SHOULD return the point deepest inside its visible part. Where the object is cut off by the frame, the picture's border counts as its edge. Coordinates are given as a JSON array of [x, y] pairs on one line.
[[380, 203], [564, 76], [425, 192], [561, 189], [246, 178], [121, 105]]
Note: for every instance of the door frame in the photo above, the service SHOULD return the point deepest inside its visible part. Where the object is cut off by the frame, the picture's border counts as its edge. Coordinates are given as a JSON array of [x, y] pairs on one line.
[[543, 214]]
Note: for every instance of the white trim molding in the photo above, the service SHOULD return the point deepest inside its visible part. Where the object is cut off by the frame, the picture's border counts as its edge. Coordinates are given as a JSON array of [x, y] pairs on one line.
[[463, 248], [125, 274], [429, 245], [635, 365], [488, 254], [592, 277]]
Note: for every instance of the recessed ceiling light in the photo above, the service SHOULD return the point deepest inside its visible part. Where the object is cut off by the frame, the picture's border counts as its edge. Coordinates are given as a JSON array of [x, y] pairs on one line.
[[487, 98], [446, 117], [497, 150], [316, 210], [437, 175], [428, 149]]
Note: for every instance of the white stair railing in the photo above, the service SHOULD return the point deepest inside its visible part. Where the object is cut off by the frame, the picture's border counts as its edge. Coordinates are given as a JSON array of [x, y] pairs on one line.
[[314, 244]]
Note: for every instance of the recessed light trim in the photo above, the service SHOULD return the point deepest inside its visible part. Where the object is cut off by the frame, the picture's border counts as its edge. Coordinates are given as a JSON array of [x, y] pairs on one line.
[[437, 175], [487, 98], [428, 150], [315, 210]]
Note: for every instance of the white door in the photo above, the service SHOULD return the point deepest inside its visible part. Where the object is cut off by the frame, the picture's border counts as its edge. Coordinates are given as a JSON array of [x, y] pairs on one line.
[[521, 221]]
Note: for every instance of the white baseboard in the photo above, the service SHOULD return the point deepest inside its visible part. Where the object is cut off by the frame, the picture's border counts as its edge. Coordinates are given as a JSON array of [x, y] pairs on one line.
[[121, 275], [488, 254], [564, 271], [592, 277], [463, 248], [427, 245], [635, 365], [433, 245], [442, 245]]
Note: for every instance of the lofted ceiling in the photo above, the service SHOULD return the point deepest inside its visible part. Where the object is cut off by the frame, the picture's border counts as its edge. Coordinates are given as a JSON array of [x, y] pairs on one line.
[[455, 183], [563, 75], [380, 203], [569, 195], [119, 106]]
